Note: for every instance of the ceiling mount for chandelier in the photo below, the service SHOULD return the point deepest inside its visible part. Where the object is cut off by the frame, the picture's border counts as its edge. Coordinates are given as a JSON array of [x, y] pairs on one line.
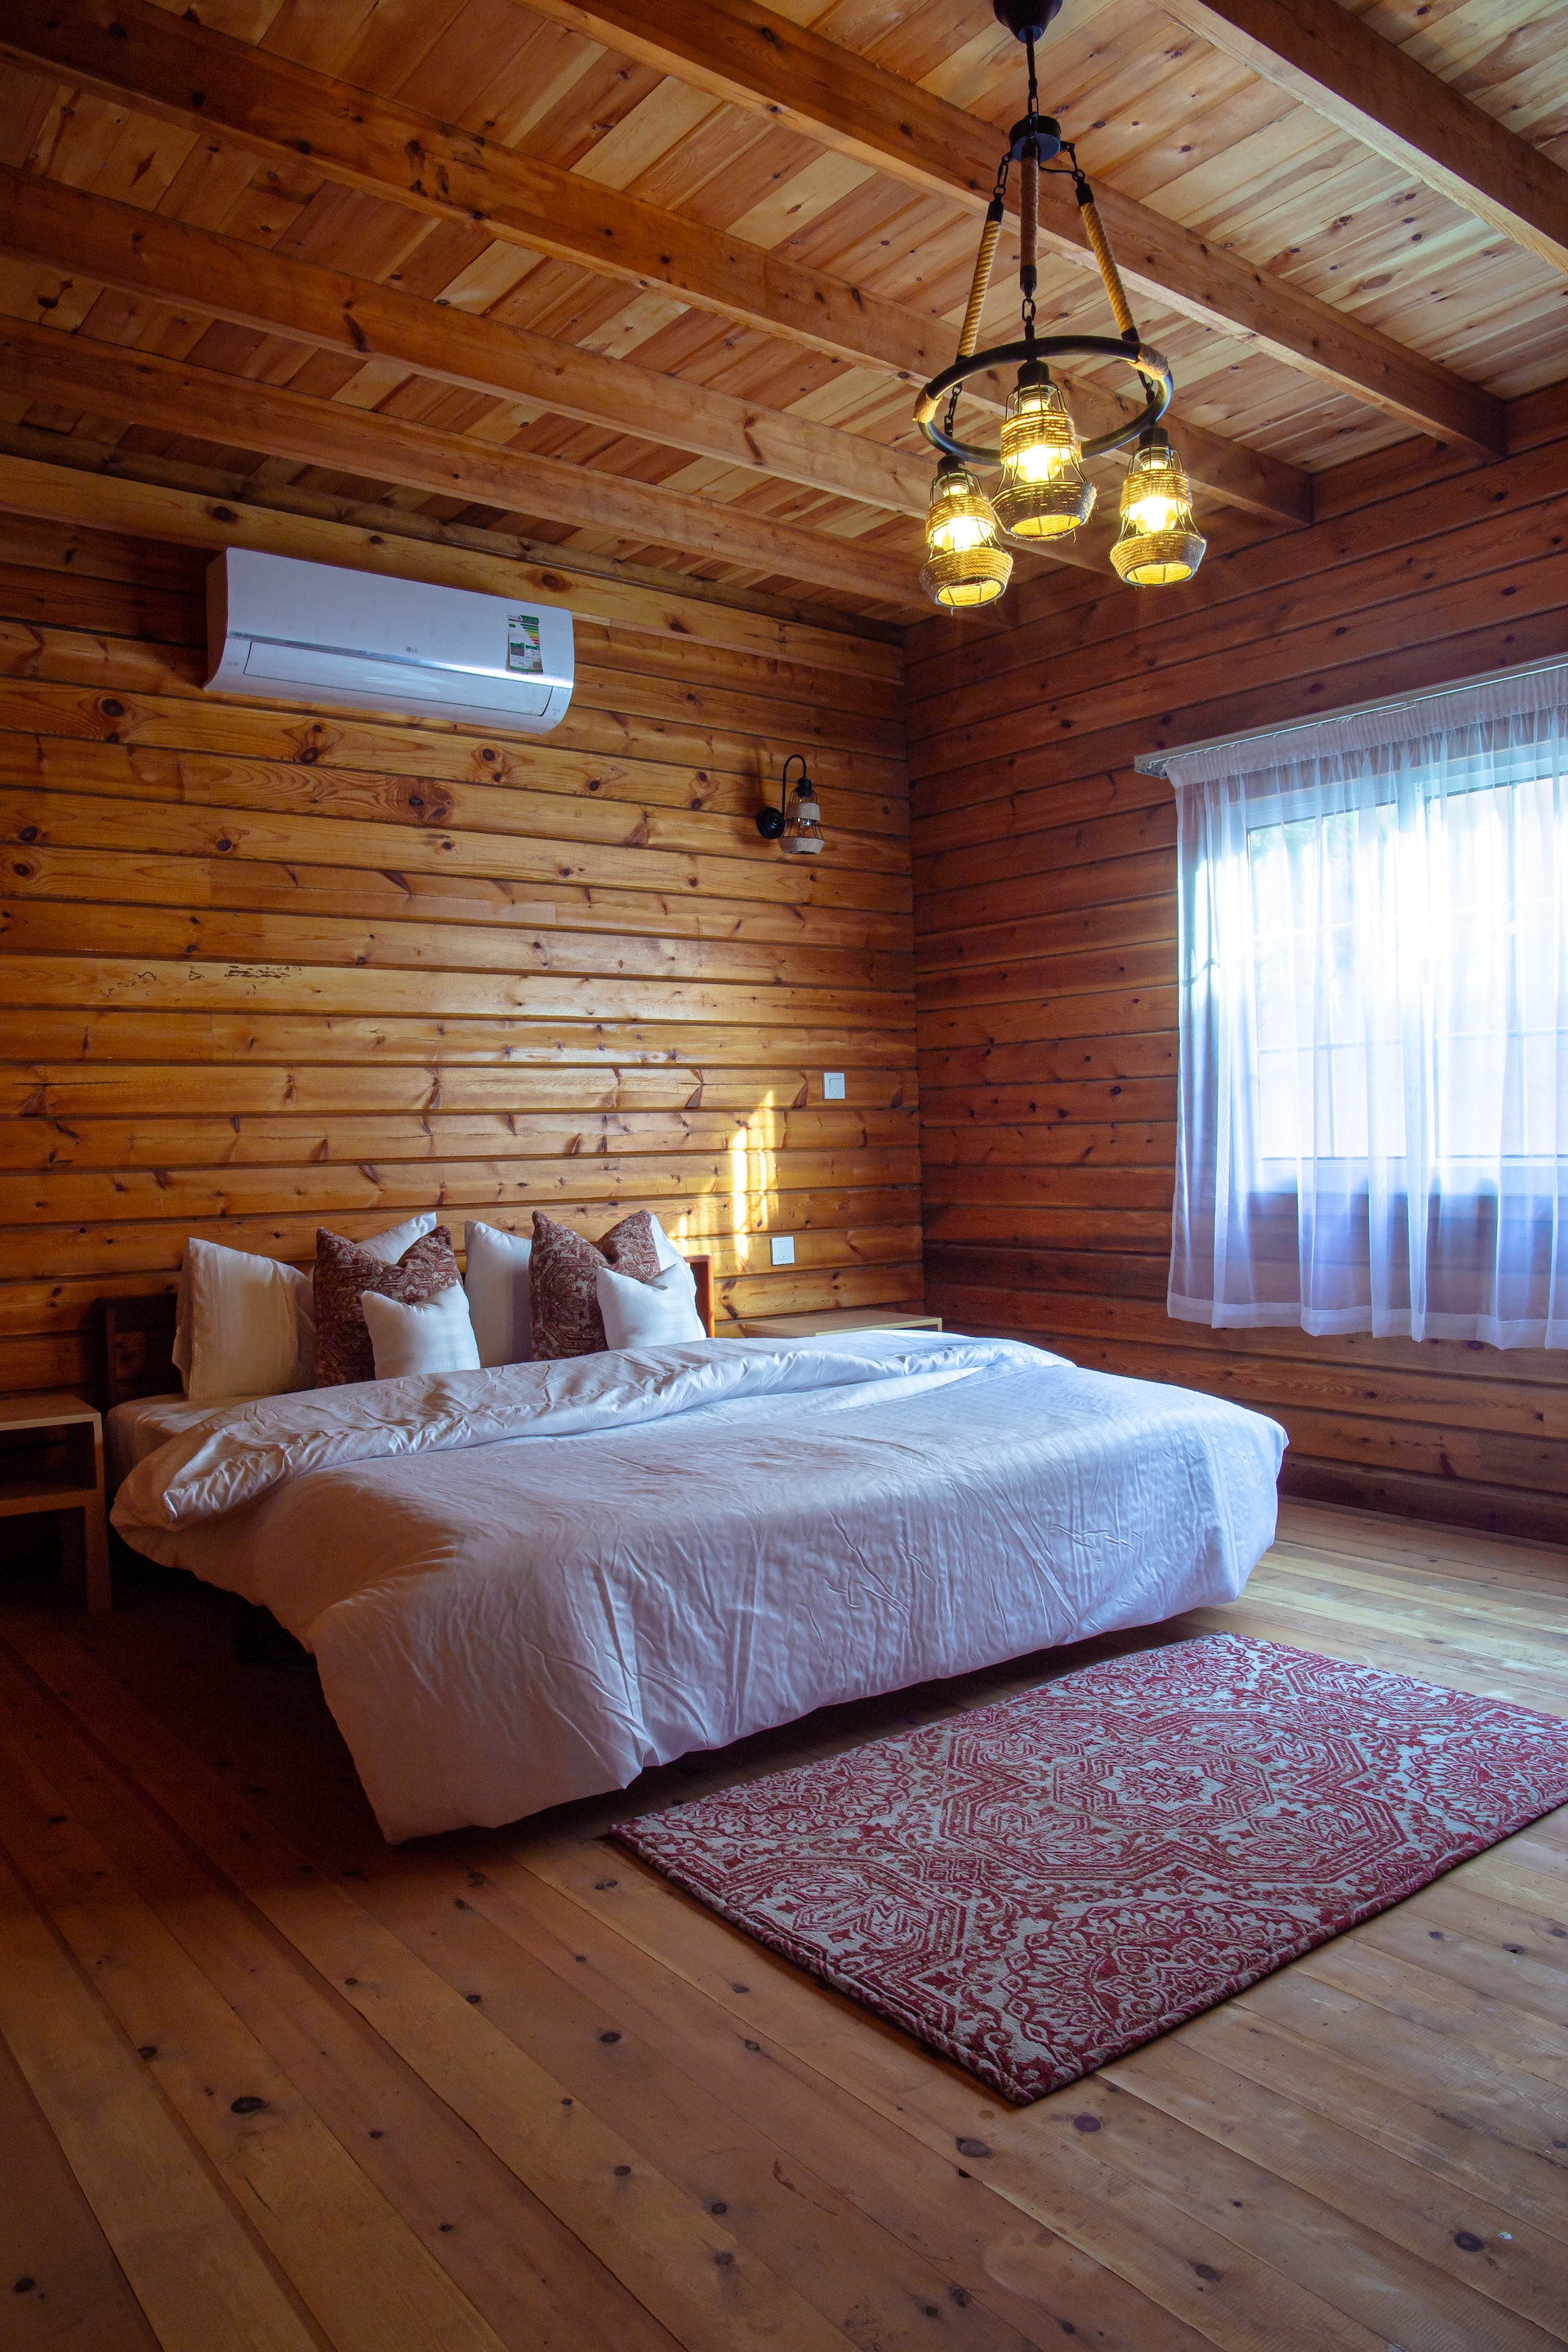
[[1043, 496]]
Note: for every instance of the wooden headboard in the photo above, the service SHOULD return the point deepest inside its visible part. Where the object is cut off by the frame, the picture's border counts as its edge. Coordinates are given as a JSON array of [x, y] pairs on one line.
[[703, 1267], [133, 1340], [133, 1347]]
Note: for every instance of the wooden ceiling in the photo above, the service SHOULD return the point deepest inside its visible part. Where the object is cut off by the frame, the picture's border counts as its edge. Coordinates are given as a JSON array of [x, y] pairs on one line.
[[650, 281]]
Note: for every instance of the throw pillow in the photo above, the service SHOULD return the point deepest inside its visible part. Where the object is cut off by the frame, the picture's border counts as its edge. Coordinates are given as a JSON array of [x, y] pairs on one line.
[[496, 1279], [563, 1280], [435, 1337], [391, 1246], [654, 1313], [344, 1271]]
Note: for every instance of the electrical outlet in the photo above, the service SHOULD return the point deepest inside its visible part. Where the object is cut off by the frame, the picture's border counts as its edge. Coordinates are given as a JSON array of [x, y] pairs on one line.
[[782, 1247], [833, 1086]]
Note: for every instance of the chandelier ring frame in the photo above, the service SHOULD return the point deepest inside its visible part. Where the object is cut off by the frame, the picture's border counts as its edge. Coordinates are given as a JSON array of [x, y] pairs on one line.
[[1149, 365]]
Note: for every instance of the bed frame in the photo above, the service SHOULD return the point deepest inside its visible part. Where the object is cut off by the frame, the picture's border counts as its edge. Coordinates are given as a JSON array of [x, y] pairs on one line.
[[132, 1340], [132, 1347]]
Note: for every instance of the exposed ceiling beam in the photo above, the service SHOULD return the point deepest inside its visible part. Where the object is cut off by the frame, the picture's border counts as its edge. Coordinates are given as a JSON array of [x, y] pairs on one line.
[[109, 379], [753, 58], [173, 262], [1336, 64], [409, 546], [141, 253], [183, 73], [161, 261]]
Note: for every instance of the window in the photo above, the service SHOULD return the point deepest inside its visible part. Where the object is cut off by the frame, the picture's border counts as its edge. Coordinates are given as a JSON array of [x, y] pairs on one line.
[[1374, 1023]]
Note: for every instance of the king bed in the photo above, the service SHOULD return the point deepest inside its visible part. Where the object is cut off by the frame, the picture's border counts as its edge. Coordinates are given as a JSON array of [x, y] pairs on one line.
[[525, 1585]]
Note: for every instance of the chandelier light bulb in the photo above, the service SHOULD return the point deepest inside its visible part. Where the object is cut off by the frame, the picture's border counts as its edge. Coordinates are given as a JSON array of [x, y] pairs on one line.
[[1159, 544], [965, 565], [1152, 510], [957, 531], [1043, 495]]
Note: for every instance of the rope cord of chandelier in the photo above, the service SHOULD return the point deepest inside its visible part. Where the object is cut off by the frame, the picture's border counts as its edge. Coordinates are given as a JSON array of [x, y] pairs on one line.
[[1034, 134], [969, 333], [1099, 245]]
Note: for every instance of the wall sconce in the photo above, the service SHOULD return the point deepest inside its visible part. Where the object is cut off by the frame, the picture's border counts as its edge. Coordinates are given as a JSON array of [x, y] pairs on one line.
[[798, 829]]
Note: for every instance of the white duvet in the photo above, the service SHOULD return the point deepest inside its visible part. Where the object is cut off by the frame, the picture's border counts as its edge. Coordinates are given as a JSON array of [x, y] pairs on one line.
[[526, 1585]]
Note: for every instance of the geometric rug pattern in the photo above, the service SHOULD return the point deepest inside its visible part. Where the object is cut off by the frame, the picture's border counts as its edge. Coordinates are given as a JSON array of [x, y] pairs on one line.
[[1035, 1888]]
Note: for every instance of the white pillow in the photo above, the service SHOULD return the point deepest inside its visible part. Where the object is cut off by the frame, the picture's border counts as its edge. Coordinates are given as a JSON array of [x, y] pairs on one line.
[[649, 1314], [664, 1249], [437, 1337], [248, 1327], [496, 1280], [390, 1245]]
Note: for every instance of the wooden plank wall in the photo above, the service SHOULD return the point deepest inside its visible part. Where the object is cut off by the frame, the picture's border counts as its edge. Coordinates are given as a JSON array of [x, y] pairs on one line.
[[265, 969], [1046, 925]]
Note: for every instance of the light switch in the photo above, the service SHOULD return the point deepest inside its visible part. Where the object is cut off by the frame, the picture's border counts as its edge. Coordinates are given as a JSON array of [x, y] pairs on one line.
[[782, 1247], [833, 1086]]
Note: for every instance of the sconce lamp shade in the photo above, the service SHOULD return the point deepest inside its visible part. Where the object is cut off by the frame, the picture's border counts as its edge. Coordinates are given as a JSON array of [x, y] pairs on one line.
[[803, 827], [1159, 543], [795, 826]]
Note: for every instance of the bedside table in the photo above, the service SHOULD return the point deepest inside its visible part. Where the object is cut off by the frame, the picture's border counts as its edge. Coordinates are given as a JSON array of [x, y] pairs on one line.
[[838, 1318], [51, 1459]]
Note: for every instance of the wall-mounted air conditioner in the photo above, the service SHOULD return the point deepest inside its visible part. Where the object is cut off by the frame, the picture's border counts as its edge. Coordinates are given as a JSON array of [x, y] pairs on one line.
[[293, 632]]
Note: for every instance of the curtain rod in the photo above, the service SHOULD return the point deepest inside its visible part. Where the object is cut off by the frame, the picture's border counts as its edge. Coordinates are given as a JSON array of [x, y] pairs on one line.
[[1154, 763]]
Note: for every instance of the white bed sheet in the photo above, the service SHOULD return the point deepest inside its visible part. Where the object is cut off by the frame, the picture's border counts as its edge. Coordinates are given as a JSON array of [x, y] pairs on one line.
[[523, 1587], [137, 1428]]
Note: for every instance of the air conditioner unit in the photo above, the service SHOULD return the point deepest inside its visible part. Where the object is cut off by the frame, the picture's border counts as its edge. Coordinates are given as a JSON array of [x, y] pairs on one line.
[[293, 632]]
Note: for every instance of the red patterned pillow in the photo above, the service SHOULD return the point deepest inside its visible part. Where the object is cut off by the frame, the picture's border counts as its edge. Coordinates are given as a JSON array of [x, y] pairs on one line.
[[562, 1288], [344, 1351]]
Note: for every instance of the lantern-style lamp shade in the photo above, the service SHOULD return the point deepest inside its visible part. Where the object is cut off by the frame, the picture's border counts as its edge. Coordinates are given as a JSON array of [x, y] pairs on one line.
[[802, 836], [1160, 542], [796, 822], [965, 565], [1043, 495]]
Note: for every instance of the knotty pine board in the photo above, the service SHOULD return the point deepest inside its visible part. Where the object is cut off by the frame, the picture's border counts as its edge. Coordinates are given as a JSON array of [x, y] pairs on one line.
[[1165, 121], [1360, 2151], [1045, 953], [263, 967]]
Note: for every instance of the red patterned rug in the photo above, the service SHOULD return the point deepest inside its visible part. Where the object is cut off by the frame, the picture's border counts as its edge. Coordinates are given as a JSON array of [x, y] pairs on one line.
[[1035, 1888]]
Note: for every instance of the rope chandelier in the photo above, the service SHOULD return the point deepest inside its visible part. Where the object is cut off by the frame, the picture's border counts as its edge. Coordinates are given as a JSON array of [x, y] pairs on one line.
[[1043, 496]]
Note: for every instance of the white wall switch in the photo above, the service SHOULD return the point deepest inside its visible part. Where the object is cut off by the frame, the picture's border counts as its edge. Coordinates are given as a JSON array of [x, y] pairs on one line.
[[782, 1247], [833, 1086]]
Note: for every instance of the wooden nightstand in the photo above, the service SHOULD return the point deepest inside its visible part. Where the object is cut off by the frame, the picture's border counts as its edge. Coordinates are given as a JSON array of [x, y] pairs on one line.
[[837, 1318], [51, 1459]]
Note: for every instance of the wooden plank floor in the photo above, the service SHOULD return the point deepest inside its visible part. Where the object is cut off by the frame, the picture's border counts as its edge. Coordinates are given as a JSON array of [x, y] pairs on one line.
[[266, 2083]]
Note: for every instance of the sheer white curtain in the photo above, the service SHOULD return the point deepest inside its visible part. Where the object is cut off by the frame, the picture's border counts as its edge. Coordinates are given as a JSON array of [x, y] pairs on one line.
[[1373, 969]]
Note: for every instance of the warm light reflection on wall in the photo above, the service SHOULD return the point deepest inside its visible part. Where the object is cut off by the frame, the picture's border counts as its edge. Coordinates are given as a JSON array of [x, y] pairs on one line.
[[752, 1189], [754, 1176]]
